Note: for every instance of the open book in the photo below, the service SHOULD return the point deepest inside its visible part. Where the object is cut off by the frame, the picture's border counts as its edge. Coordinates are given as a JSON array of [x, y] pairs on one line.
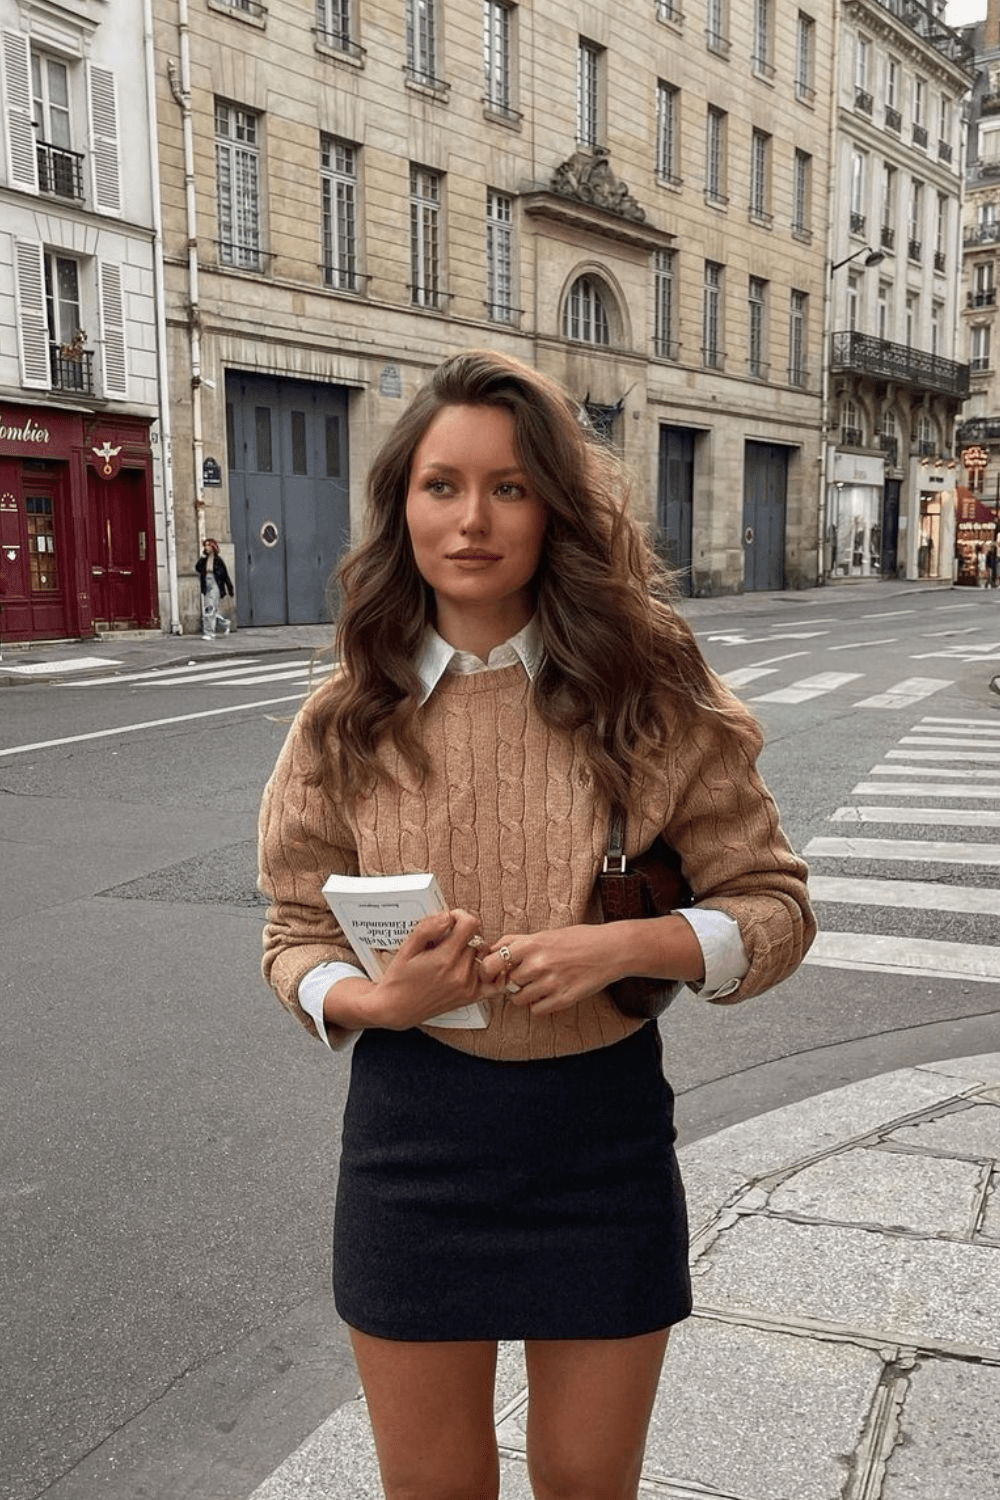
[[377, 912]]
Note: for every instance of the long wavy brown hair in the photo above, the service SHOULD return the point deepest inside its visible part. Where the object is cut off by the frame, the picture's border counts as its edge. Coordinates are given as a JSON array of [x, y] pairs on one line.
[[620, 665]]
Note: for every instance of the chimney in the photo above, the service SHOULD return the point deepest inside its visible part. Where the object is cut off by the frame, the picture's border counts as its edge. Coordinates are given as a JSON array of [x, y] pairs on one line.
[[991, 27]]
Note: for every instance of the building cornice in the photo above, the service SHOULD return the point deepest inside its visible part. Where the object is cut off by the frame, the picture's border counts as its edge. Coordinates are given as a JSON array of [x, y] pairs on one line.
[[880, 21]]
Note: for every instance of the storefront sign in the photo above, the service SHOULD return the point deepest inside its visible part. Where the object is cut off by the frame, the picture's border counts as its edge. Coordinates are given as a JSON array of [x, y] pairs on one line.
[[105, 459], [23, 430], [974, 459], [855, 468]]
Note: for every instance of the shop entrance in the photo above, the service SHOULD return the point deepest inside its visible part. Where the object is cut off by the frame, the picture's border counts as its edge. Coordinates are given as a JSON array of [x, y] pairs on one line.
[[675, 501], [118, 547], [34, 571], [288, 495], [929, 543], [765, 483]]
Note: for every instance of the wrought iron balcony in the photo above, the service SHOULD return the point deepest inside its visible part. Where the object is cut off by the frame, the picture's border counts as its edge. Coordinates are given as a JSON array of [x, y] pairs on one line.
[[863, 101], [940, 261], [919, 135], [989, 104], [978, 430], [986, 297], [928, 25], [59, 171], [888, 239], [867, 355], [852, 437], [72, 369], [982, 234], [857, 223], [893, 118], [944, 151], [914, 249]]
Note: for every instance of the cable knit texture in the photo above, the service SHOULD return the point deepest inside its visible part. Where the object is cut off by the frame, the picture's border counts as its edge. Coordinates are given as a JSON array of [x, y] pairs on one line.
[[507, 822]]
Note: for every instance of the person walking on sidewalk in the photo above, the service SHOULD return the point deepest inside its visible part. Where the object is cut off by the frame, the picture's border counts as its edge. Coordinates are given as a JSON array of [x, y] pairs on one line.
[[215, 585], [512, 666]]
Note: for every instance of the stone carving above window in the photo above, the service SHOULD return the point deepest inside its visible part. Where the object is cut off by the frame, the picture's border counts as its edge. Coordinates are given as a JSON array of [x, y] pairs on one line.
[[588, 178]]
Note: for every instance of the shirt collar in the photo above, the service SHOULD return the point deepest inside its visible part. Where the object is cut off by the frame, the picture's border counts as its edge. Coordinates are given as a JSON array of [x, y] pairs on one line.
[[436, 657]]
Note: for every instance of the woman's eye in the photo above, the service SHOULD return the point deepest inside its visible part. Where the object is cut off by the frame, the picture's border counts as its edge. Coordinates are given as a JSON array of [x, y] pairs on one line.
[[437, 486], [511, 491]]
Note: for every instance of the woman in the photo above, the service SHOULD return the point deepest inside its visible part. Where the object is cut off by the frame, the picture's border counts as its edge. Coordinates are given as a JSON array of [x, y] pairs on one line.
[[215, 585], [506, 673]]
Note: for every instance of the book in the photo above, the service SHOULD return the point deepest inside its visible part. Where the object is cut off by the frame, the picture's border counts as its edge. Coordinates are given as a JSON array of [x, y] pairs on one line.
[[376, 913]]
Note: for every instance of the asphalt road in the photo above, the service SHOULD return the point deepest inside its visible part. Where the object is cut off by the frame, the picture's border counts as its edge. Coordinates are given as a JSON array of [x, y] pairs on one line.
[[171, 1137]]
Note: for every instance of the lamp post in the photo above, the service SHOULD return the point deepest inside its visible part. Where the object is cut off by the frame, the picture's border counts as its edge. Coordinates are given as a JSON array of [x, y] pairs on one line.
[[872, 258]]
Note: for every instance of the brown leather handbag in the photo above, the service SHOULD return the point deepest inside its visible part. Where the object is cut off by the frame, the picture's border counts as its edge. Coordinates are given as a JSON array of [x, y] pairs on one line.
[[650, 885]]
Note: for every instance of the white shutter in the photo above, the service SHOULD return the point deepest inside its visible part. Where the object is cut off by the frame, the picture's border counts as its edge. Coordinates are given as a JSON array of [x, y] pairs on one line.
[[32, 324], [109, 289], [22, 158], [105, 170]]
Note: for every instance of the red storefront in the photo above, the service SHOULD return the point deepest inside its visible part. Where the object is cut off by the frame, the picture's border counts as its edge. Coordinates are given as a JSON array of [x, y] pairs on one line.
[[76, 524]]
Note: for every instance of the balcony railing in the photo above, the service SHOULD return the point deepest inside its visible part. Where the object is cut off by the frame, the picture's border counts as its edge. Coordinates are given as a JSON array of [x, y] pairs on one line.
[[867, 355], [989, 104], [913, 250], [978, 430], [928, 25], [863, 101], [893, 118], [888, 237], [338, 41], [940, 261], [72, 369], [852, 437], [857, 223], [944, 151], [59, 171], [982, 234], [919, 135], [985, 297]]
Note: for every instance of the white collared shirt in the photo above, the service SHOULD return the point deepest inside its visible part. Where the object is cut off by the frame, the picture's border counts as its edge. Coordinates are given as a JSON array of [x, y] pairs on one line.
[[718, 934]]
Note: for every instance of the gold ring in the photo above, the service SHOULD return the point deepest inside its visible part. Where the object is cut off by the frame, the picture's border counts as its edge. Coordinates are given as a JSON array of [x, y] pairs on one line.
[[505, 954]]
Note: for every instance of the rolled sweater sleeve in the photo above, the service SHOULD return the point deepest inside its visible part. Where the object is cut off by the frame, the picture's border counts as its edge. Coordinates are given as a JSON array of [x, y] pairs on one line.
[[737, 860], [303, 837]]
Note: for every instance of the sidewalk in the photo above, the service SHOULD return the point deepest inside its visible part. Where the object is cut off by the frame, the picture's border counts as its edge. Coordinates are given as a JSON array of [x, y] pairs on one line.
[[846, 1337], [133, 651]]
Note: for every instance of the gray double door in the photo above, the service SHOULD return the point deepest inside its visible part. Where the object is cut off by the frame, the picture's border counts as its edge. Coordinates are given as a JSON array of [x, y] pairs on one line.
[[288, 495], [765, 488]]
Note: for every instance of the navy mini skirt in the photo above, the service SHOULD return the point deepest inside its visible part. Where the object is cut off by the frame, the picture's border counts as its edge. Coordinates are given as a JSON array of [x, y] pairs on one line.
[[509, 1200]]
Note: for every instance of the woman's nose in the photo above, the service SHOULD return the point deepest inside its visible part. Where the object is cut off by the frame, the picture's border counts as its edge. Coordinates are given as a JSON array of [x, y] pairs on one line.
[[476, 514]]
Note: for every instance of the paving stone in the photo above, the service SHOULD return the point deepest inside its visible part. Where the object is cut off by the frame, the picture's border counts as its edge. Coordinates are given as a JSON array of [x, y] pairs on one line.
[[974, 1131], [889, 1188], [889, 1287], [983, 1067], [707, 1185], [336, 1463], [991, 1218], [756, 1413], [948, 1447]]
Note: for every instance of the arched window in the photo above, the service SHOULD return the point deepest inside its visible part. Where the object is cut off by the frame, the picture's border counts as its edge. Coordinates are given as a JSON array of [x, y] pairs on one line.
[[585, 316]]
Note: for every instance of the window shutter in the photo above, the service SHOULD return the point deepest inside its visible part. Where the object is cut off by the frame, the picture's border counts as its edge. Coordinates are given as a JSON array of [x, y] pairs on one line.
[[22, 160], [32, 325], [109, 286], [105, 170]]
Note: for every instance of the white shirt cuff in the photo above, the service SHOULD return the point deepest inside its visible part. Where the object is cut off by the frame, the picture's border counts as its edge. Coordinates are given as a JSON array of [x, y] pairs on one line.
[[314, 985], [722, 948]]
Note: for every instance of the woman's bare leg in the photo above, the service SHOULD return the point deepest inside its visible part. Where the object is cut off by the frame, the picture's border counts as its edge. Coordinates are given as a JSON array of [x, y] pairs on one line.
[[589, 1405], [431, 1409]]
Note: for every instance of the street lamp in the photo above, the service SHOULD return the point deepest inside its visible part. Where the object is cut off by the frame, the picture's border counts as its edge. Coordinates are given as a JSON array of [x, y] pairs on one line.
[[872, 258]]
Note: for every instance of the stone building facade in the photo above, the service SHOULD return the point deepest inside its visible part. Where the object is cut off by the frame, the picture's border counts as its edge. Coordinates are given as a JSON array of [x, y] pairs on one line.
[[630, 198], [897, 371], [82, 513]]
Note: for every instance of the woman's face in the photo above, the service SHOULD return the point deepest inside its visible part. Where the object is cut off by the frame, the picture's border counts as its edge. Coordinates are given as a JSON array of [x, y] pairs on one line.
[[476, 526]]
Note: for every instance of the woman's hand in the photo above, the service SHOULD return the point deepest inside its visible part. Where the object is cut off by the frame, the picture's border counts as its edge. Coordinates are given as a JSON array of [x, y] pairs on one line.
[[434, 970], [554, 970]]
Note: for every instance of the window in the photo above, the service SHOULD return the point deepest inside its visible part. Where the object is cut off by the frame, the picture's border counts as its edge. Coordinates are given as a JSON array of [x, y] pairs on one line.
[[862, 74], [421, 41], [915, 247], [60, 169], [890, 438], [888, 231], [944, 129], [937, 313], [72, 365], [667, 131], [41, 544], [711, 339], [339, 171], [941, 233], [983, 293], [912, 318], [851, 434], [499, 257], [801, 194], [588, 94], [756, 295], [882, 310], [797, 338], [497, 23], [853, 301], [858, 174], [715, 26], [333, 25], [760, 59], [237, 175], [987, 215], [585, 317], [926, 436], [665, 312], [760, 161], [893, 116], [668, 10], [804, 49], [425, 250], [919, 111], [980, 348], [715, 156]]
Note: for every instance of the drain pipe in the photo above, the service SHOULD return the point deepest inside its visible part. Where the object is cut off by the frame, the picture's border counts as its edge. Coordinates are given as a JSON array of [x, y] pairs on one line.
[[180, 87], [159, 298]]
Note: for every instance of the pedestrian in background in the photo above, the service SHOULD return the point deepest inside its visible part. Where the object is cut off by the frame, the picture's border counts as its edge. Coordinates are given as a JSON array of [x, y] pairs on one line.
[[215, 585], [511, 666], [993, 564]]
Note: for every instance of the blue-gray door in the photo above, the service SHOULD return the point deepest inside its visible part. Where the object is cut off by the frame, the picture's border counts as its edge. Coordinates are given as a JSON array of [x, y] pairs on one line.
[[765, 485], [675, 501], [288, 495]]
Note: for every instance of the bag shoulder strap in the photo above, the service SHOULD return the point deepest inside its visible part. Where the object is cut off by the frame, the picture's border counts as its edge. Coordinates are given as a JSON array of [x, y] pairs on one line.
[[614, 857]]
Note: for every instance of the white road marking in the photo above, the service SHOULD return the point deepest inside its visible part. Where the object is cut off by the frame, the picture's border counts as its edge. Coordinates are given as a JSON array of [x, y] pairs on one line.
[[913, 895], [951, 755], [78, 664], [167, 674], [940, 740], [744, 675], [103, 734], [902, 694], [923, 789], [889, 614], [885, 640], [929, 724], [925, 957], [963, 773], [809, 687], [958, 817], [225, 679], [919, 851]]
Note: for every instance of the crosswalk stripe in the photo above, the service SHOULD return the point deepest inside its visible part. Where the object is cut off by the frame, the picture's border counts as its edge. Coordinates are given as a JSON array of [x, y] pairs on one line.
[[929, 724], [919, 851], [913, 895], [809, 687], [236, 679], [958, 773], [942, 741], [959, 817], [743, 675], [902, 694], [951, 755], [905, 955], [923, 789]]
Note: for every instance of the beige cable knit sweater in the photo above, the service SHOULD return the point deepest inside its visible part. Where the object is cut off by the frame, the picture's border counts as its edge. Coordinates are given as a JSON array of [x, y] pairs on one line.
[[507, 822]]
